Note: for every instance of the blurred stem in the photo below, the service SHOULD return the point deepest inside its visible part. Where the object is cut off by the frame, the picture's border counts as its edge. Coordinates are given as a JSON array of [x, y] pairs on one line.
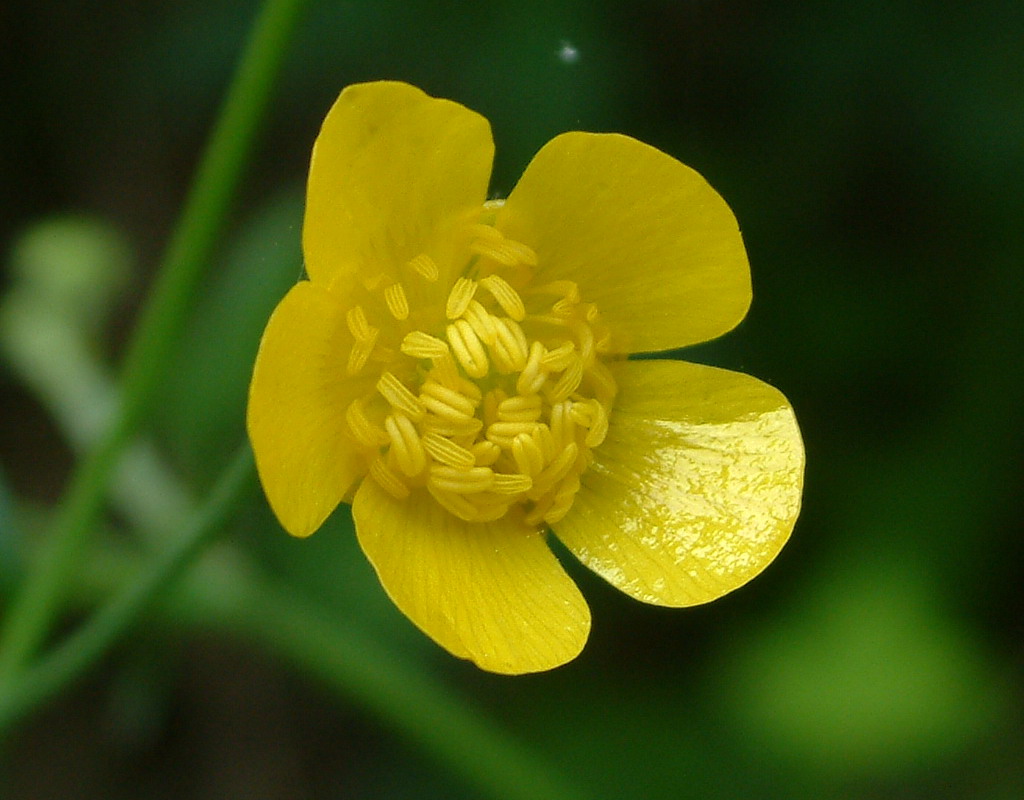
[[30, 614], [356, 667], [81, 650]]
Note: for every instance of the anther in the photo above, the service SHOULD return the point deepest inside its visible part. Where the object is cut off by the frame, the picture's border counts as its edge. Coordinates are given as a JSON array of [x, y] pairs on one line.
[[568, 383], [511, 483], [388, 480], [398, 303], [360, 353], [502, 433], [399, 396], [506, 297], [556, 470], [425, 267], [405, 444], [598, 425], [418, 344], [482, 321], [447, 452], [563, 425], [527, 454], [460, 297], [463, 481], [532, 377], [447, 426], [467, 348], [364, 431], [485, 453], [360, 328], [520, 408], [558, 359], [446, 402]]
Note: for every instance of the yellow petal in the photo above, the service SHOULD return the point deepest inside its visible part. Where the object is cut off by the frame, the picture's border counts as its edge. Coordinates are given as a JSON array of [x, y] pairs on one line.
[[489, 591], [645, 237], [393, 170], [696, 487], [297, 402]]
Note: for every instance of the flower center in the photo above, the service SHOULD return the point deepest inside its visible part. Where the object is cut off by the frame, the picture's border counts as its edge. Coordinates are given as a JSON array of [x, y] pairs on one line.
[[492, 398]]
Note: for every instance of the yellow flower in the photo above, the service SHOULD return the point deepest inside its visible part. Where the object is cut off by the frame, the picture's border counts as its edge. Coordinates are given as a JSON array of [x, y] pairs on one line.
[[457, 368]]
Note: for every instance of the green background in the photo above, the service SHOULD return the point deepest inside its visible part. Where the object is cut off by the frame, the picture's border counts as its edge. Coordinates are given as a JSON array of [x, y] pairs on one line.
[[874, 155]]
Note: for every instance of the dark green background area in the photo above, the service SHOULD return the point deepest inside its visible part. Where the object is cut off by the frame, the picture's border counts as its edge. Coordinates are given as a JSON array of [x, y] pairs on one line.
[[874, 156]]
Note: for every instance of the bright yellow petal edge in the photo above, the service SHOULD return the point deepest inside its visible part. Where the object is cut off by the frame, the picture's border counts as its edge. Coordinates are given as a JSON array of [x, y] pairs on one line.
[[392, 168], [455, 366], [646, 238], [297, 400], [695, 490], [492, 592]]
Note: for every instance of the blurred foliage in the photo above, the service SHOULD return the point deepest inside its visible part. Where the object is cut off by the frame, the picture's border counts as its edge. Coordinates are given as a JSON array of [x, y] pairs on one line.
[[872, 153]]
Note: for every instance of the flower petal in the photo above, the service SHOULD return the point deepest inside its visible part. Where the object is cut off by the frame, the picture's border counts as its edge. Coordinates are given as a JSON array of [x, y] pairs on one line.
[[392, 171], [297, 402], [645, 237], [489, 591], [696, 487]]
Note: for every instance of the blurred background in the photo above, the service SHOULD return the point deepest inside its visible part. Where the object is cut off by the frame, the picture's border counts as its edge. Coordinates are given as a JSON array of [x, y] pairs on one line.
[[874, 155]]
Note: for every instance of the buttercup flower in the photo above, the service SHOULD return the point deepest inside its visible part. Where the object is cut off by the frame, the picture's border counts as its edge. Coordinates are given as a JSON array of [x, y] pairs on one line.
[[456, 367]]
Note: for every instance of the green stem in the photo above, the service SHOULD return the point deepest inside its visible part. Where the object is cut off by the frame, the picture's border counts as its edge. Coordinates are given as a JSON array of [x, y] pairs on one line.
[[29, 617], [82, 649]]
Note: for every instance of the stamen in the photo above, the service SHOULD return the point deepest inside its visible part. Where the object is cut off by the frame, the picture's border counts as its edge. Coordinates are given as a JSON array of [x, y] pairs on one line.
[[399, 397], [602, 381], [445, 426], [558, 359], [387, 479], [459, 298], [468, 349], [360, 328], [484, 324], [556, 470], [492, 400], [418, 344], [598, 425], [502, 433], [507, 297], [521, 408], [510, 346], [405, 444], [502, 407], [499, 251], [446, 371], [568, 383], [527, 454], [360, 353], [563, 501], [532, 377], [563, 426], [364, 431], [447, 452], [511, 483], [463, 481], [545, 441], [446, 402], [424, 266], [585, 334], [398, 303]]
